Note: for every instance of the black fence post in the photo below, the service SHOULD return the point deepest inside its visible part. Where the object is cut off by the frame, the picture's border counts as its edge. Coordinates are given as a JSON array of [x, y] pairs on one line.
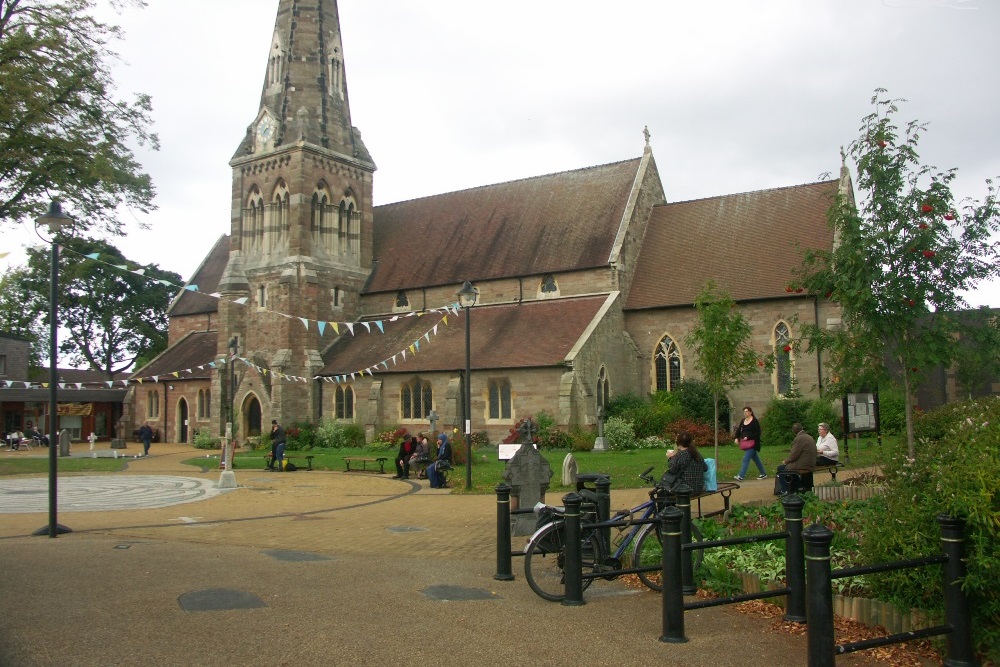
[[603, 485], [573, 564], [819, 607], [961, 652], [795, 565], [670, 576], [504, 571], [683, 495]]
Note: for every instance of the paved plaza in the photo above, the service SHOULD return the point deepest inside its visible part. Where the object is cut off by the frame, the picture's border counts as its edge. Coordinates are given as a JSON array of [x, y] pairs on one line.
[[312, 568]]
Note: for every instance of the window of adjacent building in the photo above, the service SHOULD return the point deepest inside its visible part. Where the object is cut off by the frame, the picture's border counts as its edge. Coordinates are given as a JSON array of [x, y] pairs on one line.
[[204, 404], [153, 404], [344, 402], [416, 400], [667, 359], [337, 297], [402, 301], [783, 359], [500, 403], [548, 286], [261, 297], [3, 364]]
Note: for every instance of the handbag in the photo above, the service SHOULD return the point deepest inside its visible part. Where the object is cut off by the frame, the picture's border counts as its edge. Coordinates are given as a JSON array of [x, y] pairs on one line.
[[669, 480], [746, 443]]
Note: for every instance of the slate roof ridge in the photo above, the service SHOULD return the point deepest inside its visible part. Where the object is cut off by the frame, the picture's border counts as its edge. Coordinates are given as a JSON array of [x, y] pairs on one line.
[[171, 348], [201, 267], [514, 180], [752, 192]]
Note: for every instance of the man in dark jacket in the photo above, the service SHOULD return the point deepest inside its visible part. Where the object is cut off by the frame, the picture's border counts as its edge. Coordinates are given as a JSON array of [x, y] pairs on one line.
[[802, 458], [277, 445]]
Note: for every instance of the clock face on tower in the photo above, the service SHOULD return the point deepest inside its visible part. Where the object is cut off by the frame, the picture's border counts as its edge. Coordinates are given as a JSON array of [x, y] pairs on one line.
[[264, 133]]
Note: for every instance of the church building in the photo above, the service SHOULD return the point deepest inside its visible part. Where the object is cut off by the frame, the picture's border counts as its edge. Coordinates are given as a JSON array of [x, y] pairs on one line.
[[312, 306]]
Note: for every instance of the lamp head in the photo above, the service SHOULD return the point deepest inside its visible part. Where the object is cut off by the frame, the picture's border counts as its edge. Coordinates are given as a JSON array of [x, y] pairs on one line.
[[55, 218], [467, 295], [234, 345]]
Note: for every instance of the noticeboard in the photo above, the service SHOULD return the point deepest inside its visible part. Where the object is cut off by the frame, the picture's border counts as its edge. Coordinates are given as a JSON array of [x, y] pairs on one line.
[[861, 412]]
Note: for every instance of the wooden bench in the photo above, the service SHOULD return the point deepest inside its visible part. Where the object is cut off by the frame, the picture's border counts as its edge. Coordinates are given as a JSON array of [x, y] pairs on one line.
[[364, 461], [307, 458], [725, 489], [804, 481], [832, 469]]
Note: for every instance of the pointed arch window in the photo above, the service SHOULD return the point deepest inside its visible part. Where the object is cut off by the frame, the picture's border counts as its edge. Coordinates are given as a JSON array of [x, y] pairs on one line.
[[500, 399], [667, 360], [783, 359], [201, 404], [416, 399], [337, 297], [253, 220], [548, 286], [279, 210], [344, 402], [261, 297]]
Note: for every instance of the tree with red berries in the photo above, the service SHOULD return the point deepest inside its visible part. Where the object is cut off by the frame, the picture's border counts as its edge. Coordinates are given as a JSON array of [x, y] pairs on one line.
[[903, 254]]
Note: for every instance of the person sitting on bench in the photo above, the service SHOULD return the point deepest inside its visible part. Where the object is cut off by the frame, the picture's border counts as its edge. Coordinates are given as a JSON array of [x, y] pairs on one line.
[[801, 460], [686, 466], [443, 455], [826, 447]]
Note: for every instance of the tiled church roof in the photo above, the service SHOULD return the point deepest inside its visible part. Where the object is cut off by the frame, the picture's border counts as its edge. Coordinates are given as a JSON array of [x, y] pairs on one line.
[[207, 279], [515, 335], [196, 349], [533, 226], [748, 243]]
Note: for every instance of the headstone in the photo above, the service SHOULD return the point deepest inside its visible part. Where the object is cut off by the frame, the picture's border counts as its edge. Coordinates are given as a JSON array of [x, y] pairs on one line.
[[528, 474], [433, 418], [92, 439], [569, 470], [600, 445], [64, 441], [122, 432]]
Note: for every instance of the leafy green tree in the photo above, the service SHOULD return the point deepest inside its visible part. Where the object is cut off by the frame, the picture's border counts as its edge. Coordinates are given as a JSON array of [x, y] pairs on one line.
[[903, 256], [113, 316], [15, 319], [63, 132], [977, 358], [722, 343]]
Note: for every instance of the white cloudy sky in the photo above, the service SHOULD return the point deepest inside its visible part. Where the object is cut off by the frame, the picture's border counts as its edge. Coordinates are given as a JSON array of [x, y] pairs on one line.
[[452, 94]]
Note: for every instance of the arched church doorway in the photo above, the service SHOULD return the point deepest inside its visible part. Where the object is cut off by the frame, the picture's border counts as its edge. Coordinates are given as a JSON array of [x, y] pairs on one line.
[[251, 416], [182, 420]]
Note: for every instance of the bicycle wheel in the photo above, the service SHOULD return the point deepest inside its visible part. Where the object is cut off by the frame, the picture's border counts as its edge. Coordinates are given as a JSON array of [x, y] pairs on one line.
[[649, 551], [545, 558]]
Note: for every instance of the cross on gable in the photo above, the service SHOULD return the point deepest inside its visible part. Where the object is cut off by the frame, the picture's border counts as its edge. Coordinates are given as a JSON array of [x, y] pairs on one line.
[[527, 431]]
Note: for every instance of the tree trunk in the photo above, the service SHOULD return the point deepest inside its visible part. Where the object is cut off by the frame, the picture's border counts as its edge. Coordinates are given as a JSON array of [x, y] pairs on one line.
[[716, 427], [911, 451]]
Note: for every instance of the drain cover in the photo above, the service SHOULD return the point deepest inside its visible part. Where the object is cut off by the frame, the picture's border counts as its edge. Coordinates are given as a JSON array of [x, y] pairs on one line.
[[294, 556], [457, 593], [219, 599]]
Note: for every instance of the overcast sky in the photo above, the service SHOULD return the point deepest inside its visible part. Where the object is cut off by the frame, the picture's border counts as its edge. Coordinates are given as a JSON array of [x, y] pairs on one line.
[[451, 94]]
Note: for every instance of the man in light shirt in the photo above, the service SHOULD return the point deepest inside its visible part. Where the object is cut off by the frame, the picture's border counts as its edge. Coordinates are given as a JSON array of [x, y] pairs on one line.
[[826, 447]]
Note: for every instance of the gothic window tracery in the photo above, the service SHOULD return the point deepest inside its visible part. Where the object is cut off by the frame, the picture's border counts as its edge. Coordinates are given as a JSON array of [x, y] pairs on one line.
[[667, 361], [784, 362]]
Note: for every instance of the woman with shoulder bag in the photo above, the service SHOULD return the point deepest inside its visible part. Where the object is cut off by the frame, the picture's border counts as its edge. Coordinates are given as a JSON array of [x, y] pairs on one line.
[[748, 439]]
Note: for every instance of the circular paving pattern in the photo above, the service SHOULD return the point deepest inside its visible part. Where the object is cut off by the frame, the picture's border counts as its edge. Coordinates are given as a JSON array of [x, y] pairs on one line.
[[103, 493]]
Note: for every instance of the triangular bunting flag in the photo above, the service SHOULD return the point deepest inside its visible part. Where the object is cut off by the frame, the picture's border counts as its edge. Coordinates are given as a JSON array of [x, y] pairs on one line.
[[427, 335], [305, 323], [435, 330], [380, 325], [336, 328], [367, 326], [321, 326], [110, 384], [79, 385], [176, 374], [241, 301], [350, 327], [191, 288], [139, 272], [93, 255]]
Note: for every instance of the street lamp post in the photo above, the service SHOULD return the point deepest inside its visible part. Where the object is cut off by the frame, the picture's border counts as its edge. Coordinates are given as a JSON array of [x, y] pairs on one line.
[[56, 220], [467, 297]]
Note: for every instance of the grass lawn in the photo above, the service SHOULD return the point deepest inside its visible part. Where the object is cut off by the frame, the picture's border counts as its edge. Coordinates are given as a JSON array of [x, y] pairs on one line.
[[39, 465]]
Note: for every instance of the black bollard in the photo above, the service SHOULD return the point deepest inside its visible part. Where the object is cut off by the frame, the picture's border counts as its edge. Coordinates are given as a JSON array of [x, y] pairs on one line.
[[670, 576], [961, 652], [683, 495], [603, 485], [819, 599], [504, 571], [795, 565], [573, 563]]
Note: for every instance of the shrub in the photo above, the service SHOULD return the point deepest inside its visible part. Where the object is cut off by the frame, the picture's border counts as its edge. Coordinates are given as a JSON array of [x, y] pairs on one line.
[[701, 434], [390, 439], [340, 435], [891, 410], [480, 438], [582, 439], [618, 405], [776, 424], [619, 434], [203, 439], [300, 437], [820, 410], [695, 401], [958, 454]]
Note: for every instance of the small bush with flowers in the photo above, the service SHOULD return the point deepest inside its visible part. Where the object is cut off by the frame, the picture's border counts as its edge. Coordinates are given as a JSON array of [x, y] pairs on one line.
[[389, 439], [701, 434]]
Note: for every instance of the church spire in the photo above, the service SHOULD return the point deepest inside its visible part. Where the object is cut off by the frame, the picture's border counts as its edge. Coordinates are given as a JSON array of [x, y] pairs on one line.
[[304, 97]]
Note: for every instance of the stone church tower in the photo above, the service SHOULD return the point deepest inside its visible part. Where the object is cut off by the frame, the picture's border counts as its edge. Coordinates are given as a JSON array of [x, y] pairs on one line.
[[301, 224]]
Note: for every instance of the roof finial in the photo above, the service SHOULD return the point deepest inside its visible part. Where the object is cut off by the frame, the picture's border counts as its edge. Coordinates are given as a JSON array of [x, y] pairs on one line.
[[645, 133]]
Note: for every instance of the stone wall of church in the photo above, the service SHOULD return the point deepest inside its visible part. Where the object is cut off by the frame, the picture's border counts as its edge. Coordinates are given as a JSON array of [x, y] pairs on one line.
[[648, 327], [182, 326]]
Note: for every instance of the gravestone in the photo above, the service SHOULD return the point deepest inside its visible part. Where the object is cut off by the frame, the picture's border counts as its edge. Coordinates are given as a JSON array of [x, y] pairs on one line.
[[528, 474], [122, 433], [600, 445], [569, 470], [64, 441]]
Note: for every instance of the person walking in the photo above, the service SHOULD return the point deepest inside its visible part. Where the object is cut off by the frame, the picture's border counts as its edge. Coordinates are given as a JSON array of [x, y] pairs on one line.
[[749, 429], [277, 445], [145, 437]]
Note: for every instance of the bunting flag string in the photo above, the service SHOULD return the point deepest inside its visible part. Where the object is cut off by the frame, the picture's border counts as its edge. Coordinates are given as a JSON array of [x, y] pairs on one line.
[[413, 347], [242, 301]]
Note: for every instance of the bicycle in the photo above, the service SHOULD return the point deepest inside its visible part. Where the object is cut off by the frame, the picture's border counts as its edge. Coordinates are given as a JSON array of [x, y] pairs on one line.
[[545, 553]]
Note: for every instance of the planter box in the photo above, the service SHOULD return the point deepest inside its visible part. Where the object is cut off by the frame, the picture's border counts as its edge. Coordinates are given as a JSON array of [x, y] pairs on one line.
[[834, 493]]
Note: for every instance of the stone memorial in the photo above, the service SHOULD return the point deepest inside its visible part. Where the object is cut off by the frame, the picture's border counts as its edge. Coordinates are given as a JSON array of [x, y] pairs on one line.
[[528, 474], [64, 441], [569, 470]]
